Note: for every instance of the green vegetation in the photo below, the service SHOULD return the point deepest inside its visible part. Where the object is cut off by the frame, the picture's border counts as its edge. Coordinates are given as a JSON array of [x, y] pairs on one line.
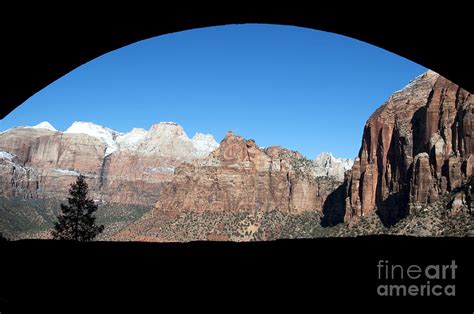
[[77, 219], [433, 220], [34, 218], [24, 218], [242, 226]]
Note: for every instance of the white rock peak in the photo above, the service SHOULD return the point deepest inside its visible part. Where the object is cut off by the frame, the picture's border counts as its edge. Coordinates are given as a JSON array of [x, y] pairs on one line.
[[170, 139], [167, 129], [44, 125], [328, 165]]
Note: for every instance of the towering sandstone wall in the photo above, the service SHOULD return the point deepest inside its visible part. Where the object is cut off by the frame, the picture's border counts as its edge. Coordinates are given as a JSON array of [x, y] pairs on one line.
[[415, 148]]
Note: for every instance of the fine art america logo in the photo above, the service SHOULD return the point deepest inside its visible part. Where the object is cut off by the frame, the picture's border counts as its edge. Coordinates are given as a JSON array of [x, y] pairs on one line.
[[415, 280]]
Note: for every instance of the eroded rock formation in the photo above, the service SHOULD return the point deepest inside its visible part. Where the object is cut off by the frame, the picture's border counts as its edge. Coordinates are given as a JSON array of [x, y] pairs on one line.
[[240, 176], [415, 147]]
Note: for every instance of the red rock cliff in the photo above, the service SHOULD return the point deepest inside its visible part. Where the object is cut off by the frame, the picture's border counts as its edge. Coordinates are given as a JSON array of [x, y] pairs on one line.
[[240, 176], [415, 147]]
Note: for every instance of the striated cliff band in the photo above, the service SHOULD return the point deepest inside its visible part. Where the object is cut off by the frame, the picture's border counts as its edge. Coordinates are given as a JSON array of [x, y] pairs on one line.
[[416, 150]]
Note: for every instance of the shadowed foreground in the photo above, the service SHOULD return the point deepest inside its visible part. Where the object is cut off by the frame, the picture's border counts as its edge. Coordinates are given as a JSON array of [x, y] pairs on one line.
[[295, 273]]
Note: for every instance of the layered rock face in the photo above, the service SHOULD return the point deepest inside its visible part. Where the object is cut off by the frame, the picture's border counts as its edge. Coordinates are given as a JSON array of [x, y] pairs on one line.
[[40, 162], [16, 179], [240, 176], [416, 147]]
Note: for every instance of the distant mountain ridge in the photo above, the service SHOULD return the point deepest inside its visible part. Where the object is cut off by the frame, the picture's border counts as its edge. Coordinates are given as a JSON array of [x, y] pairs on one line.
[[134, 140], [39, 162]]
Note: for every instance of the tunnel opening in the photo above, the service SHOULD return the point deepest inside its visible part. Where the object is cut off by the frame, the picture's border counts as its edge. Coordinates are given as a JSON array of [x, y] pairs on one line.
[[288, 94]]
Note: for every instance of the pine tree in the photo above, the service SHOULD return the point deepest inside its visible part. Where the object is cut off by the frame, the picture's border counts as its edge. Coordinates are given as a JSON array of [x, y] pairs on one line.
[[76, 220], [2, 238]]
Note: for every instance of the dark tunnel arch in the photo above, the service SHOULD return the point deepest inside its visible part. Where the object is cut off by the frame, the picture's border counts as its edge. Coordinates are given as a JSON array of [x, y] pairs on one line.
[[34, 57]]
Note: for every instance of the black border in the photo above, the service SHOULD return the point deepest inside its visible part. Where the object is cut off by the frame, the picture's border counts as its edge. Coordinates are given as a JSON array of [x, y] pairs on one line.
[[324, 275]]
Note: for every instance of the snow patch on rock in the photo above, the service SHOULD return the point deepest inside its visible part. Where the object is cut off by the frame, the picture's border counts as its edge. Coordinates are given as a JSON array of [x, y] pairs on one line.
[[204, 143], [45, 125], [67, 172], [131, 140], [428, 75], [104, 134], [160, 170], [6, 155]]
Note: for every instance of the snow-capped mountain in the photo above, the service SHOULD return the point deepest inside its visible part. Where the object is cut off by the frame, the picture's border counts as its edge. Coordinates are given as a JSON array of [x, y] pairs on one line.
[[104, 134], [131, 140], [40, 127], [45, 125], [127, 168], [162, 139], [326, 164]]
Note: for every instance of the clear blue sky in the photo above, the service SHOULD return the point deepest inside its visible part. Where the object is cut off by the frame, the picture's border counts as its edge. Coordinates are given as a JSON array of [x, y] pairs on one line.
[[303, 89]]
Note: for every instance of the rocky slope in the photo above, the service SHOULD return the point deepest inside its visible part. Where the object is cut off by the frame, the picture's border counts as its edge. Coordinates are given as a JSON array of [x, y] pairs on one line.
[[415, 148], [239, 177], [41, 162]]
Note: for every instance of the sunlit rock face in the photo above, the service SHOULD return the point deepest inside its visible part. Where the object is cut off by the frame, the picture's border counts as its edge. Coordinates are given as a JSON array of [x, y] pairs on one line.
[[127, 168], [240, 176], [415, 147]]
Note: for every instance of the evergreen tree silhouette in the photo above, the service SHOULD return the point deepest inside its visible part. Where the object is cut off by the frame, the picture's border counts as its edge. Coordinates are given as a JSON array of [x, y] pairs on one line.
[[76, 220], [2, 238]]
